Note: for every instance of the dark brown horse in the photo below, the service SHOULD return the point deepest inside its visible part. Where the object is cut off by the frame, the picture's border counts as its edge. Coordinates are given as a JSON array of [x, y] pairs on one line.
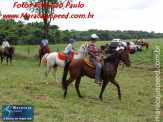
[[78, 68], [42, 52], [8, 52], [141, 43]]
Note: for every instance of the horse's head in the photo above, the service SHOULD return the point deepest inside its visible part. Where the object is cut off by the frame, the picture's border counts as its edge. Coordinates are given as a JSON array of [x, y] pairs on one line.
[[83, 48], [11, 50], [41, 45], [124, 56]]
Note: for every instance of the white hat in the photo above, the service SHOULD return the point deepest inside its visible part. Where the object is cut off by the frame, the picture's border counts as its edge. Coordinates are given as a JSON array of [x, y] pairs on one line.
[[94, 36], [119, 44]]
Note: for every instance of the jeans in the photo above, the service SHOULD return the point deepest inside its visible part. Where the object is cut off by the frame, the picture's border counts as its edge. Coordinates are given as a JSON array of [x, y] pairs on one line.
[[66, 54], [98, 68]]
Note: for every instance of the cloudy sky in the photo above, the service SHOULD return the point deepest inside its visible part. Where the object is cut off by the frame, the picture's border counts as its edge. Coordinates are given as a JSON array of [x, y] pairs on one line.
[[143, 15]]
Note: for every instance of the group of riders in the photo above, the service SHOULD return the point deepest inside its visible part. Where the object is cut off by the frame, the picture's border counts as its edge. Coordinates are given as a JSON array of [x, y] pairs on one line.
[[93, 53]]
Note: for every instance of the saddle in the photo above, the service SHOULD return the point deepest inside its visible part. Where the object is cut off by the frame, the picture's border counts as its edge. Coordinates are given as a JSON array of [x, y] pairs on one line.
[[61, 55], [90, 63]]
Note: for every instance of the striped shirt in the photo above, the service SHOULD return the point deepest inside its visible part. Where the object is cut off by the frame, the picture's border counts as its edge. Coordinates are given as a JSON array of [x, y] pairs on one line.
[[92, 48]]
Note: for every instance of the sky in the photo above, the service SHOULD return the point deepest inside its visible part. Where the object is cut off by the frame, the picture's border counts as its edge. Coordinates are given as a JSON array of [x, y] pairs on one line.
[[145, 15]]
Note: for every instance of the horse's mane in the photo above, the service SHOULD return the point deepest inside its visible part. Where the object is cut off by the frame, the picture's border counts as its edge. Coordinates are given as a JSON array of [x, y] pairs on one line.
[[112, 57]]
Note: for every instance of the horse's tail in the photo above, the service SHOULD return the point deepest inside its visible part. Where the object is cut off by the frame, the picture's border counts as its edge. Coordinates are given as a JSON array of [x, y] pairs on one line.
[[43, 60], [65, 74]]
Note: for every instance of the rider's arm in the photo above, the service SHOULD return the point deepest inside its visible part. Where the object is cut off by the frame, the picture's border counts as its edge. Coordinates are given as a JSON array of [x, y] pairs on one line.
[[3, 45], [71, 48], [93, 55], [8, 44], [47, 42]]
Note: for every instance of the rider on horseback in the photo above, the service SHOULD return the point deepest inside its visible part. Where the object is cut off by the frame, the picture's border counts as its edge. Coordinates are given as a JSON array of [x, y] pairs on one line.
[[5, 46], [69, 49], [94, 57], [45, 43]]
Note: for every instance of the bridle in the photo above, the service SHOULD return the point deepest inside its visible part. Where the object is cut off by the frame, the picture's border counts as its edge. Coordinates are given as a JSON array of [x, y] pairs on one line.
[[84, 49]]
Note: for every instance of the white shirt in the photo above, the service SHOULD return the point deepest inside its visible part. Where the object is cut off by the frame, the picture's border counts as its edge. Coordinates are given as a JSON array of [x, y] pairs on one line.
[[69, 48], [5, 44], [118, 48]]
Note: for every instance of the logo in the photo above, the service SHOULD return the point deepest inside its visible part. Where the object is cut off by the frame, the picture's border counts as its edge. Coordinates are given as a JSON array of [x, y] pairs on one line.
[[17, 112]]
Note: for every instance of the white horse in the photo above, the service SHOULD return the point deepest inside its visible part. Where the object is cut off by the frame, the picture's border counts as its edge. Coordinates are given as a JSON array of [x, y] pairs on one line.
[[52, 60]]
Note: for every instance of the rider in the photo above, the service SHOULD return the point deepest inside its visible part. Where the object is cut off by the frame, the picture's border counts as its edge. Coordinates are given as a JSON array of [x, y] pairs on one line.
[[94, 57], [45, 43], [69, 49], [107, 50], [141, 41], [119, 47], [5, 45], [128, 48]]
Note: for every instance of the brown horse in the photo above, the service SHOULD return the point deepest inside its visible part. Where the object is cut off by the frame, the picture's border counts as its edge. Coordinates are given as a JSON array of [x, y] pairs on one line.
[[141, 43], [8, 52], [78, 68]]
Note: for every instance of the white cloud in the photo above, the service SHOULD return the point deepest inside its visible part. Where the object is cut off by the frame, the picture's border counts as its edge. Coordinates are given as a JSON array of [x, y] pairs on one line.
[[109, 15]]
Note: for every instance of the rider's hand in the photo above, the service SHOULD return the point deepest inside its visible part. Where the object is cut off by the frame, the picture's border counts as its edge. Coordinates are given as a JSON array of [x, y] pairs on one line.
[[98, 60]]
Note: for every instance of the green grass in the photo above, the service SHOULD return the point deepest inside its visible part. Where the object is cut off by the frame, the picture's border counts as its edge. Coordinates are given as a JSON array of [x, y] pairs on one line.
[[23, 84]]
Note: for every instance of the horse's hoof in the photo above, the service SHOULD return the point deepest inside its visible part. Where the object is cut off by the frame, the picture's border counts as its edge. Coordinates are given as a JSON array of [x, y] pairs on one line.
[[81, 97], [57, 83], [46, 83], [119, 98], [101, 98]]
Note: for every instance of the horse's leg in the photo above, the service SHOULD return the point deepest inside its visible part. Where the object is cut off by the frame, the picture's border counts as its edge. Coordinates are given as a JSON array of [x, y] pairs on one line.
[[118, 87], [7, 60], [1, 59], [67, 83], [55, 74], [47, 72], [40, 59], [10, 60], [77, 86], [103, 88]]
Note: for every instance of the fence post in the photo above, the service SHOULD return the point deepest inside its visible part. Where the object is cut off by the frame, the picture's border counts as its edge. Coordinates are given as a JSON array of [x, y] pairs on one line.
[[28, 50], [152, 57]]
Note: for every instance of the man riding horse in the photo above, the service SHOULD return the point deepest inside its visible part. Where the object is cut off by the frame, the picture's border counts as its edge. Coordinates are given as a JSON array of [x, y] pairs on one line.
[[45, 44], [5, 46], [94, 57]]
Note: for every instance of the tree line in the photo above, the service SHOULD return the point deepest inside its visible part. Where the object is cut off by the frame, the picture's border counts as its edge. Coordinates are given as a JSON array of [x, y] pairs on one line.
[[31, 33]]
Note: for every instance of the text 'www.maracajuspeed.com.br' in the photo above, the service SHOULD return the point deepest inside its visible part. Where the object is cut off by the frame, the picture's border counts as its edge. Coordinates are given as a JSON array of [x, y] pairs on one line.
[[50, 16]]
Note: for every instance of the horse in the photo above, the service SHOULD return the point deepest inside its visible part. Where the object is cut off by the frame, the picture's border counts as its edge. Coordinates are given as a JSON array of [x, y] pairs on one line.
[[8, 52], [142, 44], [42, 52], [78, 68], [52, 60]]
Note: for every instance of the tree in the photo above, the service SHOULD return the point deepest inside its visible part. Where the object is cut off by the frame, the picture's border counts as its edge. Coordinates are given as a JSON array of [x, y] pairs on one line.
[[45, 11]]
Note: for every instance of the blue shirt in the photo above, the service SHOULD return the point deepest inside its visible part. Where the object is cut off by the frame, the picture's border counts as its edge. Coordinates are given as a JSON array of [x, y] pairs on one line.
[[45, 42]]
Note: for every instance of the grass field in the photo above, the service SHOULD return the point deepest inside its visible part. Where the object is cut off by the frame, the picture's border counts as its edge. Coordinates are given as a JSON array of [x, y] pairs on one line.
[[23, 84]]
